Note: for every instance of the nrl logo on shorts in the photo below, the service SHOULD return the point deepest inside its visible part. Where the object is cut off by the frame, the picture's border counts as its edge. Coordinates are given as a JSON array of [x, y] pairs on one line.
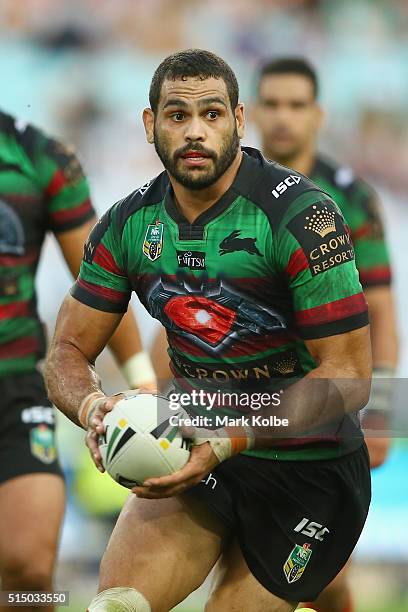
[[153, 242], [42, 444], [296, 563]]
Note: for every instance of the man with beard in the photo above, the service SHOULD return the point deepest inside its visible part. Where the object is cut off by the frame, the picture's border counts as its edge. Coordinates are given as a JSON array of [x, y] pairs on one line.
[[230, 272], [288, 117], [42, 189]]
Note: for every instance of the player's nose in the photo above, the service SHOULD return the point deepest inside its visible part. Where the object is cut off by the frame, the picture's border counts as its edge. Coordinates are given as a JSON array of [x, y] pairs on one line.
[[195, 130]]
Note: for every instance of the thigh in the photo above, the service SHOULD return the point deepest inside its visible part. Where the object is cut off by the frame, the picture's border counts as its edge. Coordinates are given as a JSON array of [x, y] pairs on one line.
[[163, 548], [296, 522], [336, 596], [235, 588], [27, 427], [31, 513]]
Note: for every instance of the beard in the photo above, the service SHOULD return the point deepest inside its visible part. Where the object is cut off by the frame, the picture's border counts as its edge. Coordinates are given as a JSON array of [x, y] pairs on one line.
[[198, 178]]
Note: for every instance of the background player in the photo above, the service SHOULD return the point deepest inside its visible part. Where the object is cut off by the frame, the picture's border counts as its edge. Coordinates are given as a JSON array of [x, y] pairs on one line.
[[42, 188], [289, 118], [236, 310]]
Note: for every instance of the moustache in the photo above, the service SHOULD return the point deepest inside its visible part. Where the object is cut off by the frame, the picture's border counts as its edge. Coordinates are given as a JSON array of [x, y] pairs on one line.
[[194, 147]]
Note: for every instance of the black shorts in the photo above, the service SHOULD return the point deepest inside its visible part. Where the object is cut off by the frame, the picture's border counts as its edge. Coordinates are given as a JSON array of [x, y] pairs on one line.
[[297, 522], [27, 427]]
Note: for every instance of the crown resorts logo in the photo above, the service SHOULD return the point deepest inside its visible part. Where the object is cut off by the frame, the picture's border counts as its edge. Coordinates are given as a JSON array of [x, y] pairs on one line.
[[286, 365], [321, 222]]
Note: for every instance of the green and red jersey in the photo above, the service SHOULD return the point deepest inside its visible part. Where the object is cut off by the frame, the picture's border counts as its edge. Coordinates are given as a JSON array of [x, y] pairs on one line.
[[360, 207], [42, 188], [240, 289]]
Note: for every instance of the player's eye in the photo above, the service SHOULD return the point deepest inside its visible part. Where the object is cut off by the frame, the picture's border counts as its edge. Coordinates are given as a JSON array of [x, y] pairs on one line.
[[270, 104], [212, 115], [177, 116], [298, 105]]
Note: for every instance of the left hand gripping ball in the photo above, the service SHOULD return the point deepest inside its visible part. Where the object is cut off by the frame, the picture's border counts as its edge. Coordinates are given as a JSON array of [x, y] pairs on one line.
[[139, 441]]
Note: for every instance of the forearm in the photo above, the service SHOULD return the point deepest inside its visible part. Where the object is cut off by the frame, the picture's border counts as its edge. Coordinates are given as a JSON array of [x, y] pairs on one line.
[[69, 378], [383, 324], [126, 346], [317, 402], [126, 340]]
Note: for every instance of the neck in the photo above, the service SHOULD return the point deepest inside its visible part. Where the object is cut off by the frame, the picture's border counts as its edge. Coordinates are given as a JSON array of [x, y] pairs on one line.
[[192, 203], [303, 161]]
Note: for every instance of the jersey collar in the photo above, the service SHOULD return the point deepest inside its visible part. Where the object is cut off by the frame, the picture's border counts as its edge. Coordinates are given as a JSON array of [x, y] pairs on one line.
[[241, 185]]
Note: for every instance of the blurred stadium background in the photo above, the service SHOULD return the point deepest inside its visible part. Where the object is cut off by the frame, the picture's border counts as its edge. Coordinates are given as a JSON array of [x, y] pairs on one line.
[[80, 69]]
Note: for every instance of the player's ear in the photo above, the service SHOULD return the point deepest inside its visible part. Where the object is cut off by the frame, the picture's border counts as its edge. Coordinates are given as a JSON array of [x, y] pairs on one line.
[[240, 120], [250, 112], [148, 122]]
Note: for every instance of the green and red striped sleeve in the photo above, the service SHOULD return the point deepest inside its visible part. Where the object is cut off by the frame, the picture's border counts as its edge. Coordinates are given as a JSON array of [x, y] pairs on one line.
[[103, 282], [64, 185], [367, 232], [315, 253]]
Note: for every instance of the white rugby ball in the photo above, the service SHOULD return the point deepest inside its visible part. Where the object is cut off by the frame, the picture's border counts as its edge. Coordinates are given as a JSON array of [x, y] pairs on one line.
[[139, 442]]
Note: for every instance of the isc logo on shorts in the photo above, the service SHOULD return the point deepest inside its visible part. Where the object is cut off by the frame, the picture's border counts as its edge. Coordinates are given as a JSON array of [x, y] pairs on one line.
[[38, 414], [311, 529]]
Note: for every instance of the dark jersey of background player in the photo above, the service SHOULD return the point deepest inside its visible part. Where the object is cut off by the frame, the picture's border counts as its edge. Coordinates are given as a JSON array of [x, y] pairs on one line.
[[240, 289], [42, 188]]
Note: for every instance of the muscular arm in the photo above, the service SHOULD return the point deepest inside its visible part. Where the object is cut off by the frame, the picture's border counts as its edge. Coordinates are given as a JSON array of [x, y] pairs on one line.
[[384, 343], [80, 335], [383, 326], [339, 385], [126, 341], [160, 359]]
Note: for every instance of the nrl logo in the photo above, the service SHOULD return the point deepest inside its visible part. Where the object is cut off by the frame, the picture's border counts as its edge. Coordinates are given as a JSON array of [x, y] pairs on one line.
[[296, 563], [153, 242], [322, 222]]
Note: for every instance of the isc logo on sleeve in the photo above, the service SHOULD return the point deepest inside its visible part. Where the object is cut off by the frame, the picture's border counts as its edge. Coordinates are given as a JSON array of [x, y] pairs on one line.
[[284, 185]]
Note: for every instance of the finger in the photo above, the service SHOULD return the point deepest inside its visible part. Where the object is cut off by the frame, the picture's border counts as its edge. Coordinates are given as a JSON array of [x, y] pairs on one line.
[[196, 465], [188, 471], [98, 425], [110, 402], [99, 412], [154, 493], [187, 431], [91, 442], [148, 388]]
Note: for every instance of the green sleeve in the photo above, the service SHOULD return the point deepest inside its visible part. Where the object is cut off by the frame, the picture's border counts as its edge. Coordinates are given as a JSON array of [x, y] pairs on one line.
[[367, 232], [64, 185], [103, 282]]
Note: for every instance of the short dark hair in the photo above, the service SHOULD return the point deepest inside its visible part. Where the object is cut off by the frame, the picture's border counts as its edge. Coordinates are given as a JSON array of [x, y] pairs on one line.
[[289, 65], [193, 63]]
